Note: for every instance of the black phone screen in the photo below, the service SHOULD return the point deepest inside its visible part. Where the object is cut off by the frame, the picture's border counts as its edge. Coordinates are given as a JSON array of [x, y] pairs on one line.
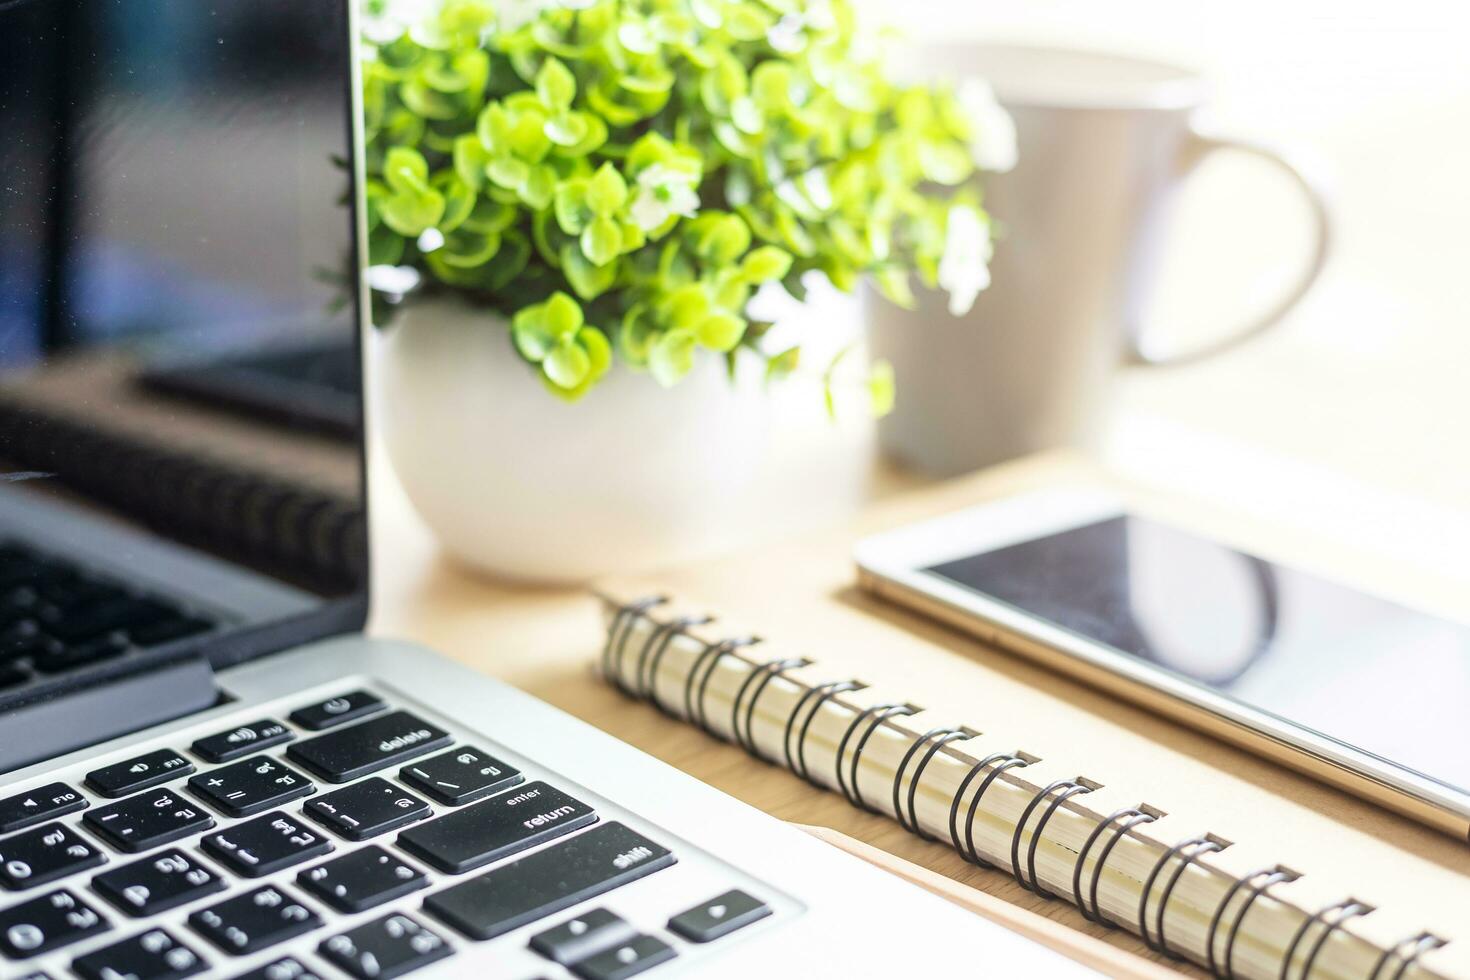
[[1366, 672]]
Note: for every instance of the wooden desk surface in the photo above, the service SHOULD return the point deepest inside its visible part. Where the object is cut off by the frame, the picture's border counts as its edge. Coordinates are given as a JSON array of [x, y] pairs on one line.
[[544, 641]]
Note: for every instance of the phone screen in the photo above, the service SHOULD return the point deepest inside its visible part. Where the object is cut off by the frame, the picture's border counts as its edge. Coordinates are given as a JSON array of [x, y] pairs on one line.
[[1366, 672]]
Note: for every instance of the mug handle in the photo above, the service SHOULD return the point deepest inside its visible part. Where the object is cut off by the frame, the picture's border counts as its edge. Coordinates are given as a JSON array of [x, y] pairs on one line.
[[1201, 145]]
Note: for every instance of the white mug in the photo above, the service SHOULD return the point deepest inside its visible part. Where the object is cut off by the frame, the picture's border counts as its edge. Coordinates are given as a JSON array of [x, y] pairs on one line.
[[1103, 141]]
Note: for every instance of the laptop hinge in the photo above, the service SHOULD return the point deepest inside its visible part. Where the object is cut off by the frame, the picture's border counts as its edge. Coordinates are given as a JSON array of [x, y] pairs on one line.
[[55, 726]]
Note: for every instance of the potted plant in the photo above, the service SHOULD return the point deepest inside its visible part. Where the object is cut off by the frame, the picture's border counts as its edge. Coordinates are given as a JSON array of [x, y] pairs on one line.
[[577, 210]]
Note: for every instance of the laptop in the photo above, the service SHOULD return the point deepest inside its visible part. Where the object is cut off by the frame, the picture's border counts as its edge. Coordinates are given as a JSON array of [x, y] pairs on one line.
[[206, 768]]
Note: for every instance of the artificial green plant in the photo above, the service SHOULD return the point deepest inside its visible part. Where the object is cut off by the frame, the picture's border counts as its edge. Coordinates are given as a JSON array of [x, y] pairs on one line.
[[616, 178]]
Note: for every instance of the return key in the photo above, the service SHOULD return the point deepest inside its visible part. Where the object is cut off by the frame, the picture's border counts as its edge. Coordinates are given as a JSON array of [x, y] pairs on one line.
[[501, 825]]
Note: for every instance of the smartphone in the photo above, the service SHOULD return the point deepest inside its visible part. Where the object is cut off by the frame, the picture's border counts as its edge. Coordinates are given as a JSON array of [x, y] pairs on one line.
[[1357, 690]]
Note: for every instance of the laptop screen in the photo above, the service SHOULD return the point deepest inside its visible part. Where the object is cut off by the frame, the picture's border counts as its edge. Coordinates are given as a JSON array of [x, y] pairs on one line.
[[180, 395]]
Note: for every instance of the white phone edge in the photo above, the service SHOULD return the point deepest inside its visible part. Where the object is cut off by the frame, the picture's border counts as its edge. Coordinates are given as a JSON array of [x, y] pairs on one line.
[[891, 564]]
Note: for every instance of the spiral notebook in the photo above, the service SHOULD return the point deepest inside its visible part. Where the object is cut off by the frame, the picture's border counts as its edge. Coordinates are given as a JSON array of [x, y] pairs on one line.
[[1190, 893]]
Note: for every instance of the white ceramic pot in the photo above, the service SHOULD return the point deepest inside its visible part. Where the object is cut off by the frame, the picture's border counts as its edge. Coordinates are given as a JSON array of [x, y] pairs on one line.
[[515, 482]]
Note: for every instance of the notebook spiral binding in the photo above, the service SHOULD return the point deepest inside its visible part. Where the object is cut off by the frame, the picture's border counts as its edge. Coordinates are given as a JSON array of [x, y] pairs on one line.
[[1150, 921]]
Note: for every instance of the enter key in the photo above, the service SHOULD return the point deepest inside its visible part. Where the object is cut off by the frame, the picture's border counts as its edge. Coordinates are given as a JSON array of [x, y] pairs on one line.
[[499, 826]]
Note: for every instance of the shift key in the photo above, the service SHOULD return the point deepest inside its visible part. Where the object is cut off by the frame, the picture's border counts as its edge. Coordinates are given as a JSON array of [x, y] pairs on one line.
[[495, 828], [368, 747], [548, 881]]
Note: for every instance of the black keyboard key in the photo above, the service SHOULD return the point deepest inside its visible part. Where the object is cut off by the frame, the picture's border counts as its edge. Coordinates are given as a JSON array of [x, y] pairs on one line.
[[265, 845], [122, 778], [250, 787], [168, 630], [628, 960], [44, 854], [45, 923], [241, 741], [548, 881], [362, 879], [492, 829], [66, 657], [157, 883], [12, 676], [151, 955], [285, 968], [17, 604], [576, 939], [149, 819], [100, 614], [385, 948], [42, 803], [63, 588], [366, 809], [461, 775], [243, 924], [338, 710], [718, 917], [368, 747]]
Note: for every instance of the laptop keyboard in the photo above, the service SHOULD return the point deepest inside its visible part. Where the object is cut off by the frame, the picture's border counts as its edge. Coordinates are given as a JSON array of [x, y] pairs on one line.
[[369, 839], [55, 616]]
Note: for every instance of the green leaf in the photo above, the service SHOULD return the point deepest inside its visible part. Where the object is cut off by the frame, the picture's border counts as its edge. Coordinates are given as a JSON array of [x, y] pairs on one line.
[[587, 280], [594, 137], [466, 249], [385, 247], [687, 306], [539, 187], [532, 338], [556, 86], [528, 139], [893, 283], [459, 200], [602, 241], [770, 85], [508, 172], [727, 238], [672, 357], [783, 364], [412, 214], [567, 365], [493, 129], [470, 160], [607, 192], [945, 162], [405, 169], [881, 388], [562, 316], [572, 211], [766, 264], [567, 128], [721, 331], [490, 217], [636, 337], [599, 351]]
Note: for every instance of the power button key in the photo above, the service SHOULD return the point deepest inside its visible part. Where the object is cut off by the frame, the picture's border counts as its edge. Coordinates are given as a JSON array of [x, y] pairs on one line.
[[337, 711]]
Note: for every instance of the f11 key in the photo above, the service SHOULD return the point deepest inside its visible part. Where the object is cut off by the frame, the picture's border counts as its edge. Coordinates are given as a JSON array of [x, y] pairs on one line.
[[131, 775]]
